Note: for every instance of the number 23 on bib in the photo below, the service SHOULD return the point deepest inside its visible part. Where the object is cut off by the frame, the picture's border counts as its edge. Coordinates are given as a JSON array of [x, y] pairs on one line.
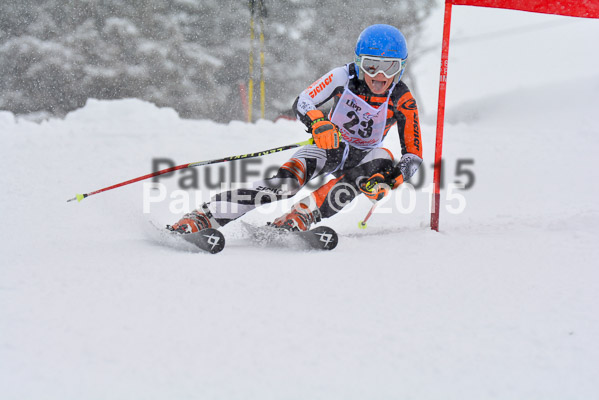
[[360, 124]]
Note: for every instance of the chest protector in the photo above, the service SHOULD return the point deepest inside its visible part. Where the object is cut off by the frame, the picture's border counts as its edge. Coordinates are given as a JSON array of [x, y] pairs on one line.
[[360, 124]]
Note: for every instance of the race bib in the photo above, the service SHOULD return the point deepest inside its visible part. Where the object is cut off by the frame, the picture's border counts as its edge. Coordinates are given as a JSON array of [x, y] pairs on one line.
[[360, 124]]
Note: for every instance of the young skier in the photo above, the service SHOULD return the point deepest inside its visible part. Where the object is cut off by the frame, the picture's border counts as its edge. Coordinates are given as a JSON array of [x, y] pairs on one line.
[[369, 98]]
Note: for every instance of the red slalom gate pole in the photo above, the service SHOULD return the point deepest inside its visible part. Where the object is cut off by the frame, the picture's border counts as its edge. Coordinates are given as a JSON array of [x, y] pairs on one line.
[[441, 117]]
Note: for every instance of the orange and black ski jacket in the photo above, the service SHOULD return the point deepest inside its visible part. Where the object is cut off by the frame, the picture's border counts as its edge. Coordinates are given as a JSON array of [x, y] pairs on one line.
[[402, 109]]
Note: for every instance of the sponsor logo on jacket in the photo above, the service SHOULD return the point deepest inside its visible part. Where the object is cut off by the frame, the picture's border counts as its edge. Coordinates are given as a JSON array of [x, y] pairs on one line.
[[318, 86], [416, 132], [409, 105]]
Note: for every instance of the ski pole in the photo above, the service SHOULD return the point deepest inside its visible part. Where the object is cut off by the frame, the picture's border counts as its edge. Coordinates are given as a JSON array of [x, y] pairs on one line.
[[80, 197], [362, 224]]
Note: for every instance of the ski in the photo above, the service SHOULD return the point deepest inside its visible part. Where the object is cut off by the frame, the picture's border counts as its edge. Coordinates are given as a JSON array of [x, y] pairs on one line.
[[207, 240], [210, 240], [319, 238], [213, 241]]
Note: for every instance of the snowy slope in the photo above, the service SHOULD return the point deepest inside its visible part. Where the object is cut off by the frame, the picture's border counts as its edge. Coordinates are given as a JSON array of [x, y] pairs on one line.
[[500, 304]]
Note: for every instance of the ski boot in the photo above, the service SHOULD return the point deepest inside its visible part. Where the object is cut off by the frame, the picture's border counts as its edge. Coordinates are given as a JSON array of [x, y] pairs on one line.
[[300, 218], [195, 221]]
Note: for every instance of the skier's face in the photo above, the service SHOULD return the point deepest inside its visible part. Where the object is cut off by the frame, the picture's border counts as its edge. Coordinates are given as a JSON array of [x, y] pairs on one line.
[[379, 84]]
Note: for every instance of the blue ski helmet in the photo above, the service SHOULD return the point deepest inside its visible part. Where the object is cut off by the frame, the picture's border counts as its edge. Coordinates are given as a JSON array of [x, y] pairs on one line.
[[381, 41]]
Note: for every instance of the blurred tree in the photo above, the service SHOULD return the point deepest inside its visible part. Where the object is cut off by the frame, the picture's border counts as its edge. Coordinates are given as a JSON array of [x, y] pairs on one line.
[[191, 55]]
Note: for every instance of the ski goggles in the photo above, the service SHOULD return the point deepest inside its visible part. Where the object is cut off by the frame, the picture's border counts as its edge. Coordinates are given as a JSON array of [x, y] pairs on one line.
[[373, 66]]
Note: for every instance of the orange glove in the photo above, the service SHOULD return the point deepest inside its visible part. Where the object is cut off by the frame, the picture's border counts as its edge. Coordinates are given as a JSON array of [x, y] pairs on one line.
[[376, 187], [380, 184], [325, 133]]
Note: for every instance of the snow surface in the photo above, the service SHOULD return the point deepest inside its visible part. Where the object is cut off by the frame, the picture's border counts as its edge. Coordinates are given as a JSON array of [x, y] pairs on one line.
[[502, 304]]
